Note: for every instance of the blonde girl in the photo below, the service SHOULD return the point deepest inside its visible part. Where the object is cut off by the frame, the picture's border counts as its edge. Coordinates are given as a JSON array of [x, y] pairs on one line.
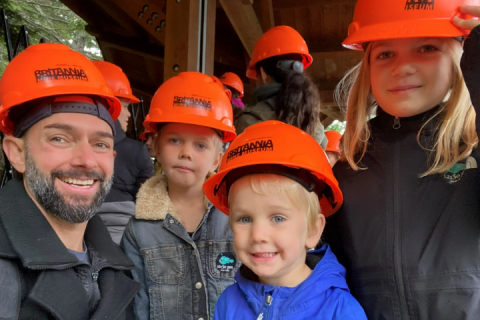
[[409, 230]]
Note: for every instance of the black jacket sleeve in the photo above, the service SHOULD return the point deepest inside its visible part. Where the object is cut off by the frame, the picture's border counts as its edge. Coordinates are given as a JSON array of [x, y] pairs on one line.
[[470, 65]]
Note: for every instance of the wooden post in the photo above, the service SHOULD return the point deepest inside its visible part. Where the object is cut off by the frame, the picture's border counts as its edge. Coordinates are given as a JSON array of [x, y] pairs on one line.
[[190, 36]]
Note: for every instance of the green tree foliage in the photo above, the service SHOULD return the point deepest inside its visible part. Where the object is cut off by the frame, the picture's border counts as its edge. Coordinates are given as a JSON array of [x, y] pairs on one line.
[[50, 20], [337, 126]]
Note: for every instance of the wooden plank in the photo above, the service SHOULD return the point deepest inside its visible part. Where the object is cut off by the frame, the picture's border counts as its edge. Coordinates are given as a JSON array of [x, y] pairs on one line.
[[210, 41], [181, 37], [244, 21], [136, 46], [264, 11], [302, 22], [147, 13], [290, 4]]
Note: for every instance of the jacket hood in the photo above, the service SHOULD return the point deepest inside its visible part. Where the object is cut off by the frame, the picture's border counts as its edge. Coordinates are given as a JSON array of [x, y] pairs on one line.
[[327, 273], [119, 133], [265, 92], [153, 201]]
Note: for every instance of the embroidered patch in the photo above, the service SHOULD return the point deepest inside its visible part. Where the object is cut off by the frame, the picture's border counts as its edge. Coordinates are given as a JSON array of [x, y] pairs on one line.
[[455, 173], [226, 262]]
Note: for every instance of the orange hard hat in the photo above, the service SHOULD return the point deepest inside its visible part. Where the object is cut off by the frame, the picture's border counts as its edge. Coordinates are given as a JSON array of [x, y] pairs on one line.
[[232, 80], [228, 92], [277, 148], [194, 98], [334, 138], [278, 41], [143, 135], [381, 20], [117, 80], [46, 70]]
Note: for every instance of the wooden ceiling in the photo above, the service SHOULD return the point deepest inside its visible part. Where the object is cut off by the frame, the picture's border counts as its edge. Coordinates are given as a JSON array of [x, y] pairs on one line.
[[131, 34]]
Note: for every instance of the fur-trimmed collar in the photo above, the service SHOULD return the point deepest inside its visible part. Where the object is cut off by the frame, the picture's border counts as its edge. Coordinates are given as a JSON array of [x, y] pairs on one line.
[[153, 201]]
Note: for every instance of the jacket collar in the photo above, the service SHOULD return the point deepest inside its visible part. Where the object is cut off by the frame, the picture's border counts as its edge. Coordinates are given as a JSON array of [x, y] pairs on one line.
[[265, 92], [30, 237], [119, 133], [326, 273], [385, 122], [153, 201]]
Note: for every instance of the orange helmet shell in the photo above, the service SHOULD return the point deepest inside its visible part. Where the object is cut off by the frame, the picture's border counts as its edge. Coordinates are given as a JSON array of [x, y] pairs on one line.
[[143, 135], [193, 98], [49, 69], [116, 80], [278, 41], [274, 143], [334, 138], [232, 80], [380, 20]]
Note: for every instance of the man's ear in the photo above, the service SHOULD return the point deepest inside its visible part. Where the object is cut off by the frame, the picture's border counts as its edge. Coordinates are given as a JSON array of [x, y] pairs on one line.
[[316, 233], [15, 150]]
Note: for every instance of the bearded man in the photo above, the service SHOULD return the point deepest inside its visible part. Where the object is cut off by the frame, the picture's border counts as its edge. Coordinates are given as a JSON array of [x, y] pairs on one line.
[[57, 260]]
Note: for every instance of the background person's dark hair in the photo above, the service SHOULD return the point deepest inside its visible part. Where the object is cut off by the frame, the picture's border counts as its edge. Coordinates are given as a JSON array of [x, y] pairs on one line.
[[298, 101]]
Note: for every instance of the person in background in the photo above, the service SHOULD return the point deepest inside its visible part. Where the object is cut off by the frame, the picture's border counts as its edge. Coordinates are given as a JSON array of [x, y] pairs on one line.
[[333, 150], [233, 83], [133, 165], [409, 229], [180, 244], [57, 260], [277, 198], [148, 137], [284, 92]]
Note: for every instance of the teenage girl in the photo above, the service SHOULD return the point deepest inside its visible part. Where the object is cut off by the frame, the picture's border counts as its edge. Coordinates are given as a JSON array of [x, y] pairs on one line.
[[409, 230]]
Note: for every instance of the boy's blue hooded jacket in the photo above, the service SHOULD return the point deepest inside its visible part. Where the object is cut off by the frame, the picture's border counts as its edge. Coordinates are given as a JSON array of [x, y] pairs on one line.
[[323, 295]]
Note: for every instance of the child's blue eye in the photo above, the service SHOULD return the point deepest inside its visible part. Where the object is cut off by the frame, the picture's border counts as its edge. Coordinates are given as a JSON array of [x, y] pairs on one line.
[[245, 220], [202, 146], [278, 219], [385, 55], [174, 141]]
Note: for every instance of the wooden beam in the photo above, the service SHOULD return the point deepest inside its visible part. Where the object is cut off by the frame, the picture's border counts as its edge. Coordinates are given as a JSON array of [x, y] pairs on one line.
[[132, 45], [147, 14], [244, 21], [210, 41], [264, 11], [327, 121], [182, 37], [291, 4]]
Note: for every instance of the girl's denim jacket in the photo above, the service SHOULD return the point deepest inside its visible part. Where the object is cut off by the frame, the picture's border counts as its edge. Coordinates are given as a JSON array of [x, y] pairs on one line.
[[182, 275]]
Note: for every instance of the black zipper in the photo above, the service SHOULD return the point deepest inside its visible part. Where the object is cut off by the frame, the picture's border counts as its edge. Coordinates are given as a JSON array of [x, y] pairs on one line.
[[397, 239]]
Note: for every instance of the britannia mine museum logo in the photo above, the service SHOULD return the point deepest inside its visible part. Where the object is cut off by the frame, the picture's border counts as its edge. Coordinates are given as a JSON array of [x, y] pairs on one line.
[[420, 5]]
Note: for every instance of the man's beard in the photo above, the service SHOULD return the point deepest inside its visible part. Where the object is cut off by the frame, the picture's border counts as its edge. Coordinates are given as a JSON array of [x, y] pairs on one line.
[[52, 201]]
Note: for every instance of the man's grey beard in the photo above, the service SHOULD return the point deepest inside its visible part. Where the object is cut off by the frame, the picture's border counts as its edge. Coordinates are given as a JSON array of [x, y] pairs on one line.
[[52, 201]]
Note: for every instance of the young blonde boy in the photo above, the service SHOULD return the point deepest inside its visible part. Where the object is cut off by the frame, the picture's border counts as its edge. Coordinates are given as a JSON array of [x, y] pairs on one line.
[[274, 183], [178, 241]]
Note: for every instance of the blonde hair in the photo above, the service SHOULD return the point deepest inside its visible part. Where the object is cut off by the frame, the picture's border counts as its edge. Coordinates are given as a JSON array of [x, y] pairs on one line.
[[455, 133], [216, 140], [286, 187]]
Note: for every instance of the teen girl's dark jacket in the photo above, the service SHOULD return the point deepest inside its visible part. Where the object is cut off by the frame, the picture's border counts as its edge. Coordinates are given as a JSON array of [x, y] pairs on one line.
[[411, 245]]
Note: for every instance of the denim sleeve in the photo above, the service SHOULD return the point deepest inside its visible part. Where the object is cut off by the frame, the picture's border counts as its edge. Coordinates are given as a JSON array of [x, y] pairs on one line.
[[131, 248], [348, 308]]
